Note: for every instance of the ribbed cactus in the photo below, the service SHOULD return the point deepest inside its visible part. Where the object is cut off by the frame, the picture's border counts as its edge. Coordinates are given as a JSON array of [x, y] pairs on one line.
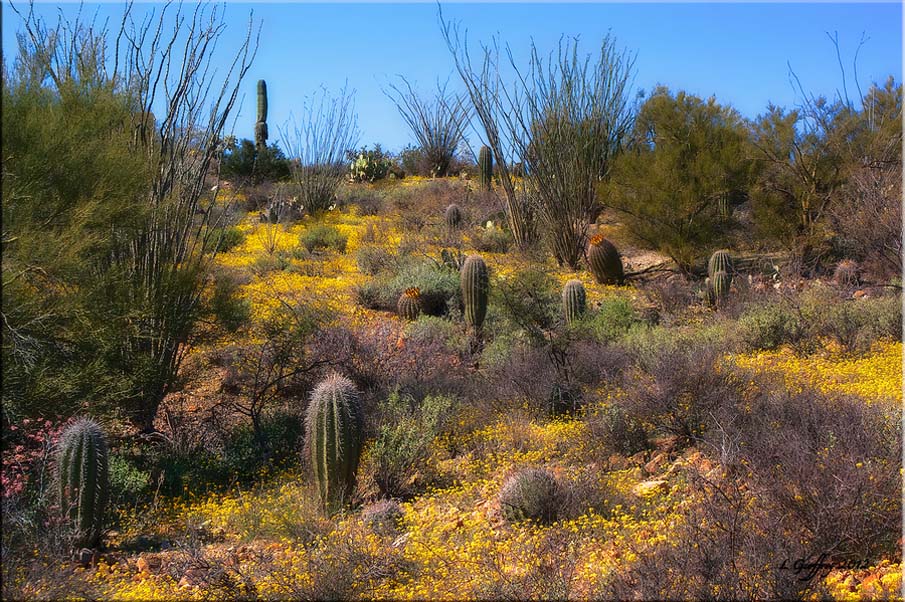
[[84, 480], [604, 261], [475, 286], [261, 125], [720, 261], [453, 216], [409, 304], [574, 300], [531, 494], [333, 437], [718, 287], [485, 166]]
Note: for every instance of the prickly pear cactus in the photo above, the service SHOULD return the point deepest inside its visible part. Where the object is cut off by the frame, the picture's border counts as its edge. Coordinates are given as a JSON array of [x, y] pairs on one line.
[[261, 124], [485, 167], [333, 437], [475, 285], [720, 261], [574, 300], [84, 480], [604, 261], [453, 216], [409, 304]]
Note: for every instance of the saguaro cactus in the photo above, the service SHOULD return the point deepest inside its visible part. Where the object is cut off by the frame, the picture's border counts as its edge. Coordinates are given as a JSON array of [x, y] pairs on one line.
[[453, 216], [409, 304], [84, 480], [261, 125], [574, 301], [475, 285], [604, 261], [720, 261], [333, 433], [485, 166]]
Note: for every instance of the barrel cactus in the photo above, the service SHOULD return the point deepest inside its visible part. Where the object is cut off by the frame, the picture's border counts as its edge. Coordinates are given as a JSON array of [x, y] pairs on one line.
[[720, 261], [475, 285], [409, 304], [261, 125], [604, 261], [485, 166], [333, 438], [453, 216], [84, 480], [718, 288], [574, 301], [531, 494]]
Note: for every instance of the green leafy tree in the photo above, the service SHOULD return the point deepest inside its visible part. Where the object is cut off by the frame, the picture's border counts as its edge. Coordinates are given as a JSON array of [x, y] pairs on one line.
[[685, 155], [252, 166]]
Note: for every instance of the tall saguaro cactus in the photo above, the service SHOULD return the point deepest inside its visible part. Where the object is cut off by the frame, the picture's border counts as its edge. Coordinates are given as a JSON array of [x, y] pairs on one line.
[[485, 166], [84, 480], [333, 437], [475, 285], [261, 125]]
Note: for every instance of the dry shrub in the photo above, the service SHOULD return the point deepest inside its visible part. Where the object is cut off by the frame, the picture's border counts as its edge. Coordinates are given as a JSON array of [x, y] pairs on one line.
[[425, 204]]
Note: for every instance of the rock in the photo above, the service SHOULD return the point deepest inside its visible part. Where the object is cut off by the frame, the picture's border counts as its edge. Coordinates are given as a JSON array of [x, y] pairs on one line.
[[193, 577], [86, 557], [149, 563], [648, 488]]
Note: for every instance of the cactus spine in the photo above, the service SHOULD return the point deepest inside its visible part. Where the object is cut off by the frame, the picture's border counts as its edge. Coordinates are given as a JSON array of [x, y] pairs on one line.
[[453, 216], [261, 125], [333, 433], [574, 300], [604, 261], [409, 304], [475, 286], [718, 287], [84, 480], [485, 166], [720, 261]]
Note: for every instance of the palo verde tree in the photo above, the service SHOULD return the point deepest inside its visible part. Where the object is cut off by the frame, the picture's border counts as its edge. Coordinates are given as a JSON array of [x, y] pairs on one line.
[[438, 123], [684, 156], [107, 169]]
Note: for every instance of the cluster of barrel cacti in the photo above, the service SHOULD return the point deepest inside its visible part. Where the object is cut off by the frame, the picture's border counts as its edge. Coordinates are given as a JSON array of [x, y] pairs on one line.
[[84, 481], [333, 439], [605, 261], [475, 284], [261, 124], [574, 301], [485, 167], [409, 304], [719, 276]]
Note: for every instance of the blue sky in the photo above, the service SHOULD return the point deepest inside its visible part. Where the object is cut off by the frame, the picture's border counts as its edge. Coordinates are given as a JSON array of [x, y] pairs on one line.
[[737, 52]]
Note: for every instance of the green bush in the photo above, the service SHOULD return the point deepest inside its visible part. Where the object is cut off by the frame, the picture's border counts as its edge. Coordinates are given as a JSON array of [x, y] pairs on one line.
[[225, 239], [491, 240], [321, 236], [127, 481], [251, 166], [403, 444], [373, 259], [769, 326], [617, 431], [427, 329], [369, 165], [528, 301], [227, 307], [611, 321]]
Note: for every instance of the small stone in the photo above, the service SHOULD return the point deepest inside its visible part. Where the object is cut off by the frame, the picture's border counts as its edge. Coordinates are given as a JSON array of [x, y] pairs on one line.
[[148, 563], [86, 557], [647, 488]]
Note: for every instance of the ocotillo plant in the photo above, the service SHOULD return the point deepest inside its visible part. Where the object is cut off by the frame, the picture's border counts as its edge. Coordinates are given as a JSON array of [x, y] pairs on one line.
[[573, 301], [604, 261], [409, 304], [84, 480], [475, 285], [261, 125], [333, 437], [453, 216], [485, 167], [720, 261]]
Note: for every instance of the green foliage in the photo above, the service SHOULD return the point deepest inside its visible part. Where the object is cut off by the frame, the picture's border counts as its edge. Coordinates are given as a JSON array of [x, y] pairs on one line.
[[769, 326], [127, 481], [333, 437], [853, 323], [226, 305], [618, 431], [604, 261], [252, 165], [403, 444], [475, 287], [373, 259], [84, 480], [370, 165], [685, 153], [528, 301], [427, 329], [491, 239], [531, 494], [611, 321], [321, 236], [485, 167], [224, 239], [574, 300]]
